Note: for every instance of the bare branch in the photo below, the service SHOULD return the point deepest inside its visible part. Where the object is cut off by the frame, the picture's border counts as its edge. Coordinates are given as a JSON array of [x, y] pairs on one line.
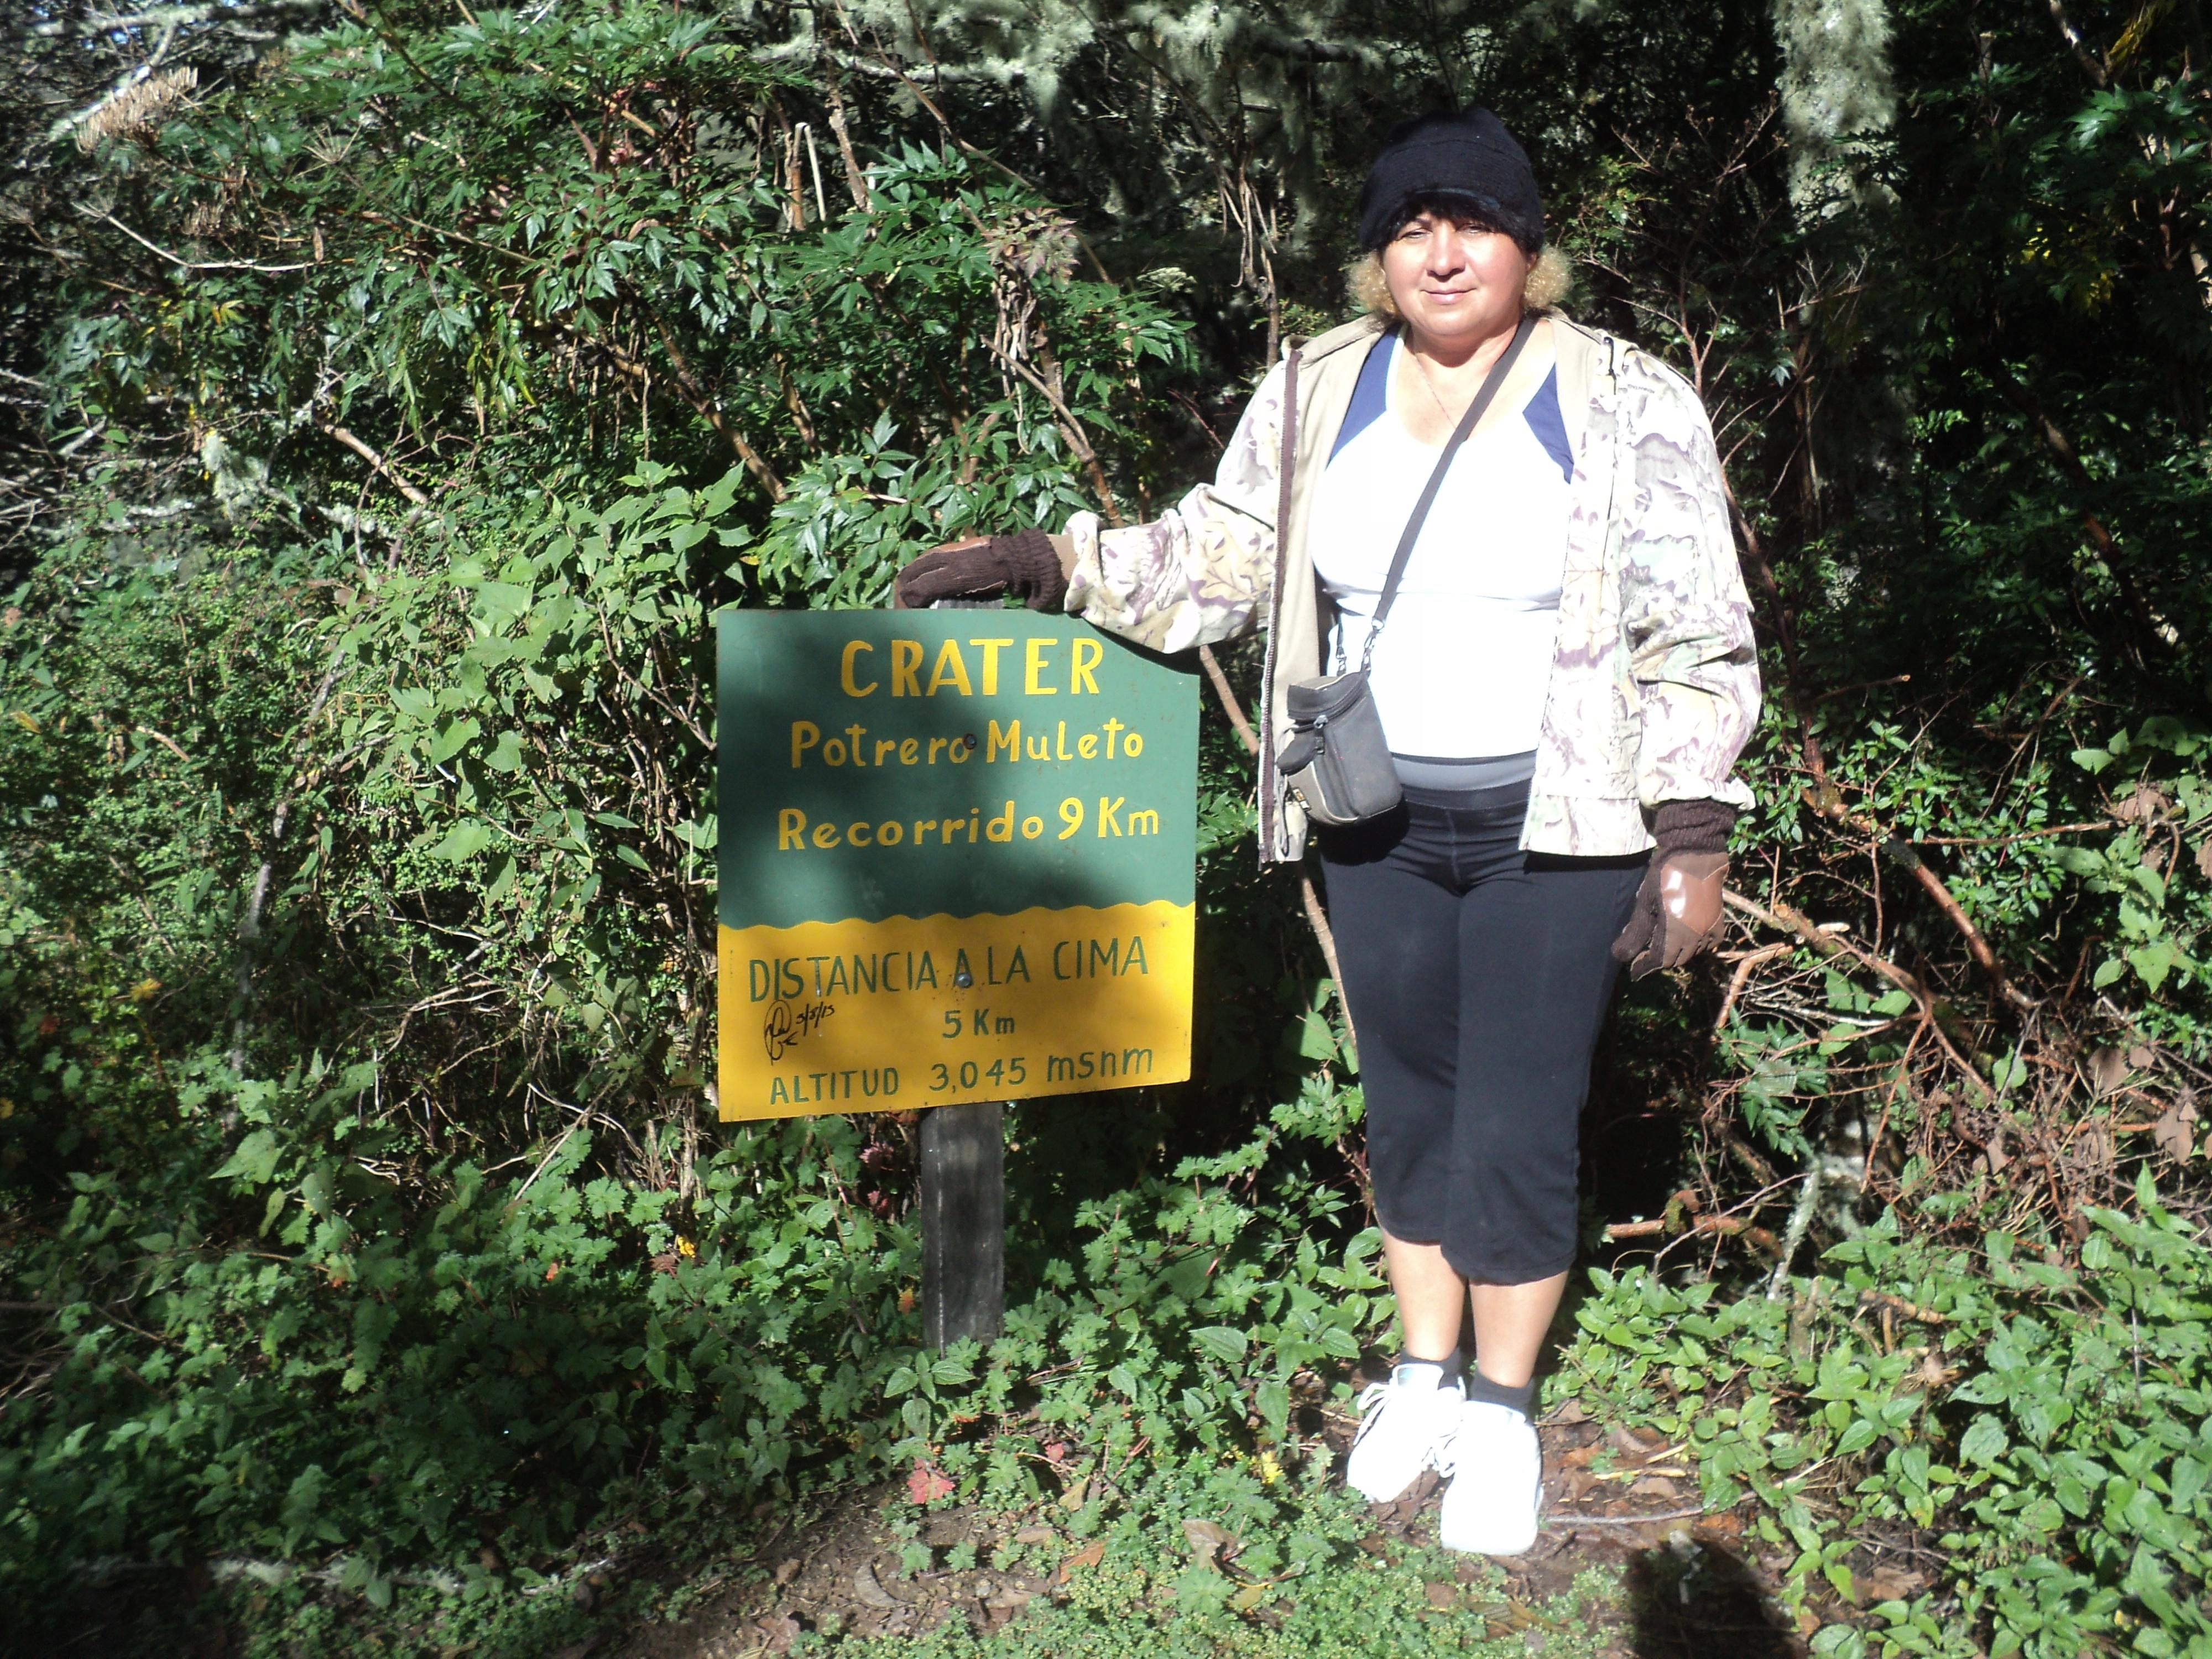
[[2093, 66], [384, 468], [193, 264]]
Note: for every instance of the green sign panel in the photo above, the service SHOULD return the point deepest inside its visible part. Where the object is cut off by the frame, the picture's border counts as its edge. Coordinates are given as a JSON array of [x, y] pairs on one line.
[[956, 858]]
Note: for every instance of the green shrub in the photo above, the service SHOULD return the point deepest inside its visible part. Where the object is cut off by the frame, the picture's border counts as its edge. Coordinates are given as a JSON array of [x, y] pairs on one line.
[[2049, 1433]]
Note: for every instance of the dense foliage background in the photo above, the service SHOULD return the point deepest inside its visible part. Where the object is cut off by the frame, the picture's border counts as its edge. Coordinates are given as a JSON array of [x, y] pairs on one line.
[[392, 391]]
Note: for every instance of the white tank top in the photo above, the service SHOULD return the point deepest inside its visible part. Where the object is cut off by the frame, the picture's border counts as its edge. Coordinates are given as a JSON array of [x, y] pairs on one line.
[[1461, 668]]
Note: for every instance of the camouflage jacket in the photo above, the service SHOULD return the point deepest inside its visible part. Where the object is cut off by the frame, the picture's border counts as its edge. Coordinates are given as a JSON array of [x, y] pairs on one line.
[[1654, 681]]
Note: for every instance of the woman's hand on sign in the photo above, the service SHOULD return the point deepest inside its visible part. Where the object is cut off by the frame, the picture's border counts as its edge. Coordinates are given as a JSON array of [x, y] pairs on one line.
[[1679, 907], [1028, 564]]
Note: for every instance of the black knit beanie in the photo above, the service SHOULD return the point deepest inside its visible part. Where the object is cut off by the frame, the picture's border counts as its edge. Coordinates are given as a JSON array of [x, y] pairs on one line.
[[1469, 156]]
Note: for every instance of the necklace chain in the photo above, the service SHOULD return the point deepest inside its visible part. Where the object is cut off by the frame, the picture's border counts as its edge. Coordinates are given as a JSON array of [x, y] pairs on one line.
[[1421, 369], [1435, 397]]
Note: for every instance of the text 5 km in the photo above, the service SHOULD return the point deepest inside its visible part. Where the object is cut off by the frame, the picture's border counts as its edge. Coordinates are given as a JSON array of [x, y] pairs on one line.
[[950, 671]]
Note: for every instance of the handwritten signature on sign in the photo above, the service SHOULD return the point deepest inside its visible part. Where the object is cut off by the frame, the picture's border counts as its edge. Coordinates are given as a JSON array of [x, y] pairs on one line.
[[786, 1025]]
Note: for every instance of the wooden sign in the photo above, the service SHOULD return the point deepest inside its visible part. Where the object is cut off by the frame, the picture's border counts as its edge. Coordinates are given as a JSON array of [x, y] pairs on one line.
[[955, 859]]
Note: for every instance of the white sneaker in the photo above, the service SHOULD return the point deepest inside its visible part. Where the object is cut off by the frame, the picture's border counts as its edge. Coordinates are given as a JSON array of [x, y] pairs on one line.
[[1404, 1426], [1496, 1482]]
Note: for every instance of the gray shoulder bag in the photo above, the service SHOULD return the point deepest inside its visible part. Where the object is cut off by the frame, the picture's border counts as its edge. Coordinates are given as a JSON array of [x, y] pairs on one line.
[[1338, 762]]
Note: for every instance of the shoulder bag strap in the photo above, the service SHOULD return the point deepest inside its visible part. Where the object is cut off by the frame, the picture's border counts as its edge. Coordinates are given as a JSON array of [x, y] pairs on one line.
[[1483, 399], [1270, 807], [1289, 455]]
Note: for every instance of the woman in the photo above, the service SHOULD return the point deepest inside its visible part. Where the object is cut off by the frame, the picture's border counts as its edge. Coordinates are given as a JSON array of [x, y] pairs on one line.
[[1565, 683]]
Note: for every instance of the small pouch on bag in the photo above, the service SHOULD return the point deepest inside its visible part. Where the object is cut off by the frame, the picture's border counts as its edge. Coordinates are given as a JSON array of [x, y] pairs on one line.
[[1338, 761]]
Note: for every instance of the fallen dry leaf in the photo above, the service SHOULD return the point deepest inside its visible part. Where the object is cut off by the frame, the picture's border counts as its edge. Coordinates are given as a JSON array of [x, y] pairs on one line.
[[1407, 1504], [2145, 802], [1441, 1596], [2108, 1069], [1247, 1598], [778, 1632], [1653, 1485], [1713, 1528], [2093, 1146], [928, 1483], [1035, 1536], [1885, 1584], [1074, 1496], [869, 1590], [1636, 1442], [1500, 1622], [2175, 1130], [1089, 1556], [1206, 1540], [2204, 860], [2142, 1058], [787, 1571], [1569, 1414]]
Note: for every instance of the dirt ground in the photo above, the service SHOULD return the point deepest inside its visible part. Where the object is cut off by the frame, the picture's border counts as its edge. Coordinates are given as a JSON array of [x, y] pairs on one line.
[[1689, 1591]]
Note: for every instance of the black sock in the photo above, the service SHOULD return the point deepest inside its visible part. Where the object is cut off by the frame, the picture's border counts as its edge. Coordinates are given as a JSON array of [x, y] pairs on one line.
[[1450, 1365], [1481, 1388]]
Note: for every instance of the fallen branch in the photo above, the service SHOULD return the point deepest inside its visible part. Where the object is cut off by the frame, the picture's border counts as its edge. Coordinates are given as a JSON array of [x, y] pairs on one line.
[[1911, 1310], [1783, 919], [1742, 975], [1622, 1520], [167, 743], [1828, 802], [1732, 1225], [2025, 834]]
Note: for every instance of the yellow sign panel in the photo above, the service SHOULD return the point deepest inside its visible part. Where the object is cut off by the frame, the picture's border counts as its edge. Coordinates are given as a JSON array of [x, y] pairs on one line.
[[891, 1015], [956, 854]]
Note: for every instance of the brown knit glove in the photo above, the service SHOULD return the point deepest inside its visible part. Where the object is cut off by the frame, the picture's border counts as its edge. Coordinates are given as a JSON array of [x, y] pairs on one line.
[[1022, 564], [1678, 908]]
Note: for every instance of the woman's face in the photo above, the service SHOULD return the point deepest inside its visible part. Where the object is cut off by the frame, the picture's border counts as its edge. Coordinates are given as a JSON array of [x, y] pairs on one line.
[[1454, 285]]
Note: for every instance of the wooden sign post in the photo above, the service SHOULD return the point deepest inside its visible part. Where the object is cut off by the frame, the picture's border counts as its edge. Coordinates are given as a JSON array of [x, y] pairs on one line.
[[964, 1224], [956, 858]]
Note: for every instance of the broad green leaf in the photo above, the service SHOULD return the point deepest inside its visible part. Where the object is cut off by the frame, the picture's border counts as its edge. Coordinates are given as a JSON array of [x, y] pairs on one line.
[[255, 1159], [463, 841]]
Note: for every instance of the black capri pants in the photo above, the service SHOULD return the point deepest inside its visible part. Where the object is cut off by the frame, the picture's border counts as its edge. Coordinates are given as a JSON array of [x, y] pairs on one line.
[[1477, 977]]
